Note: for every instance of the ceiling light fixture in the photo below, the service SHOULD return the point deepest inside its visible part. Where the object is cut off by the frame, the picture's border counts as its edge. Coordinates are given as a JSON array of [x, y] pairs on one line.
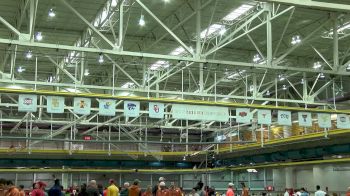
[[238, 12], [256, 58], [52, 13], [317, 65], [142, 20], [348, 67], [86, 72], [100, 58], [284, 87], [302, 81], [321, 76], [268, 93], [128, 85], [295, 40], [214, 28], [20, 69], [222, 31], [29, 54], [281, 77], [38, 36]]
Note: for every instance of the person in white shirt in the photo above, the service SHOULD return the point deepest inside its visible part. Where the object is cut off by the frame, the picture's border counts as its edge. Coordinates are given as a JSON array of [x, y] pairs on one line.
[[319, 192], [286, 193]]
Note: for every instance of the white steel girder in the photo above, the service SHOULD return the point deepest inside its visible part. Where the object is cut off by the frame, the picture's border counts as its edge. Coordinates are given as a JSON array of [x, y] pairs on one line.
[[314, 4]]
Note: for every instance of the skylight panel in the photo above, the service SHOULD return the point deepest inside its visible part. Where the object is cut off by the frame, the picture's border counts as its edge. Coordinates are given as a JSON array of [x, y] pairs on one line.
[[238, 12], [178, 51], [160, 64], [211, 30]]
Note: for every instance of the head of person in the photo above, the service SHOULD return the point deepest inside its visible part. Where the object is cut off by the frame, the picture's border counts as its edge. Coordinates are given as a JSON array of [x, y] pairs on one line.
[[318, 187], [111, 181], [136, 182], [200, 184], [126, 185], [349, 189], [162, 185], [83, 188], [41, 185], [2, 183], [149, 189], [230, 185], [161, 179], [100, 187], [21, 187], [243, 185], [57, 182], [302, 189], [93, 183]]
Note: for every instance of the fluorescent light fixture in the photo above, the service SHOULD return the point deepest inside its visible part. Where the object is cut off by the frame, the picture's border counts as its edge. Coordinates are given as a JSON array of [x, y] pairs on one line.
[[72, 90], [317, 65], [38, 36], [178, 51], [281, 77], [235, 74], [284, 87], [184, 159], [348, 67], [128, 85], [236, 13], [321, 76], [295, 40], [142, 20], [13, 86], [268, 93], [20, 69], [114, 3], [256, 58], [232, 134], [220, 138], [29, 54], [86, 72], [100, 58], [302, 81], [252, 171], [159, 65], [52, 13], [211, 30], [222, 31]]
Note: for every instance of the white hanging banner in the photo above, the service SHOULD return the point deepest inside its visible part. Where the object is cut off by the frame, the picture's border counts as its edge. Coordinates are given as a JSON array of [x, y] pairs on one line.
[[131, 108], [343, 121], [27, 103], [324, 120], [156, 110], [55, 104], [284, 118], [243, 115], [264, 117], [106, 107], [304, 119], [200, 112], [82, 106]]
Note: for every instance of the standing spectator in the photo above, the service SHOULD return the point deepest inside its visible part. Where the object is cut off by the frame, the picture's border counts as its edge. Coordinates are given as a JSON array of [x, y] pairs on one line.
[[157, 186], [173, 191], [162, 191], [286, 193], [319, 192], [91, 189], [56, 189], [21, 190], [148, 191], [124, 191], [135, 190], [11, 189], [112, 190], [245, 190], [82, 191], [100, 189], [348, 191], [199, 188], [39, 189], [230, 191], [303, 192]]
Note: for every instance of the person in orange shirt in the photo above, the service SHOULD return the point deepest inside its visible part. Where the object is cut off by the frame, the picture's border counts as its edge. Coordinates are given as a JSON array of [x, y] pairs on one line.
[[162, 191], [245, 190], [148, 191], [173, 191], [21, 190], [348, 192], [135, 190], [230, 191]]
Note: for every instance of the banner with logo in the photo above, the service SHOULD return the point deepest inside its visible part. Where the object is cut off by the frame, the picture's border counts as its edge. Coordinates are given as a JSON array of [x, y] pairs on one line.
[[324, 120], [284, 118], [199, 112], [131, 108], [305, 119], [106, 107], [55, 104], [156, 110], [243, 115], [27, 103], [264, 117], [343, 121], [82, 106]]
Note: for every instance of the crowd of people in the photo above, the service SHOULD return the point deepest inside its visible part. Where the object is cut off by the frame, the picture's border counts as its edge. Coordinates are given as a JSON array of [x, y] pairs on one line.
[[39, 188]]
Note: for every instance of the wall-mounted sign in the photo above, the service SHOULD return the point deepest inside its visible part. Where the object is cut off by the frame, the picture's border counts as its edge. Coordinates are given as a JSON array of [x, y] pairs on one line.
[[106, 107], [131, 108], [82, 105], [27, 103], [324, 120], [55, 104], [284, 118], [343, 121], [243, 115], [264, 117], [304, 119], [200, 112], [156, 110]]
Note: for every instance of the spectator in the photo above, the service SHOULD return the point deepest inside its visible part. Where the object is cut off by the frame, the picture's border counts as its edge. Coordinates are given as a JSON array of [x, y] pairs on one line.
[[162, 191], [230, 191], [199, 188], [286, 193], [348, 192], [112, 190], [56, 189], [173, 191], [39, 189], [245, 190], [303, 192], [100, 189], [91, 189], [124, 191], [21, 190], [319, 192], [134, 190], [11, 189], [148, 191], [82, 191], [157, 186]]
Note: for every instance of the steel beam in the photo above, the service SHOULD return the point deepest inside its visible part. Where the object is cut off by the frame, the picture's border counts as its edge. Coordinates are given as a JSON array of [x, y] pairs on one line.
[[314, 4]]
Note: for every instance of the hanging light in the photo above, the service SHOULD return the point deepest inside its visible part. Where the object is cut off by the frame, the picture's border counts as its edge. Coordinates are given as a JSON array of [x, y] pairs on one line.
[[38, 36], [142, 20], [302, 81], [317, 65], [295, 40], [29, 54], [348, 67], [267, 93], [281, 77], [321, 76], [100, 58], [256, 58], [284, 87], [52, 13], [86, 72], [20, 69], [184, 159]]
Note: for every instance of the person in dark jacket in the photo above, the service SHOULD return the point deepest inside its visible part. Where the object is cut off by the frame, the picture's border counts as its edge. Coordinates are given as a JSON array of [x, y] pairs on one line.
[[56, 189], [82, 191], [157, 187], [124, 191], [91, 189]]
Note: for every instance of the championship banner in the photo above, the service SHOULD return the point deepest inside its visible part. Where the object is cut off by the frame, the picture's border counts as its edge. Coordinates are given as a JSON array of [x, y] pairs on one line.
[[304, 119], [343, 121], [243, 115], [324, 120], [82, 106], [106, 107], [131, 108], [27, 103], [55, 104], [264, 117], [199, 112], [284, 118], [156, 110]]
